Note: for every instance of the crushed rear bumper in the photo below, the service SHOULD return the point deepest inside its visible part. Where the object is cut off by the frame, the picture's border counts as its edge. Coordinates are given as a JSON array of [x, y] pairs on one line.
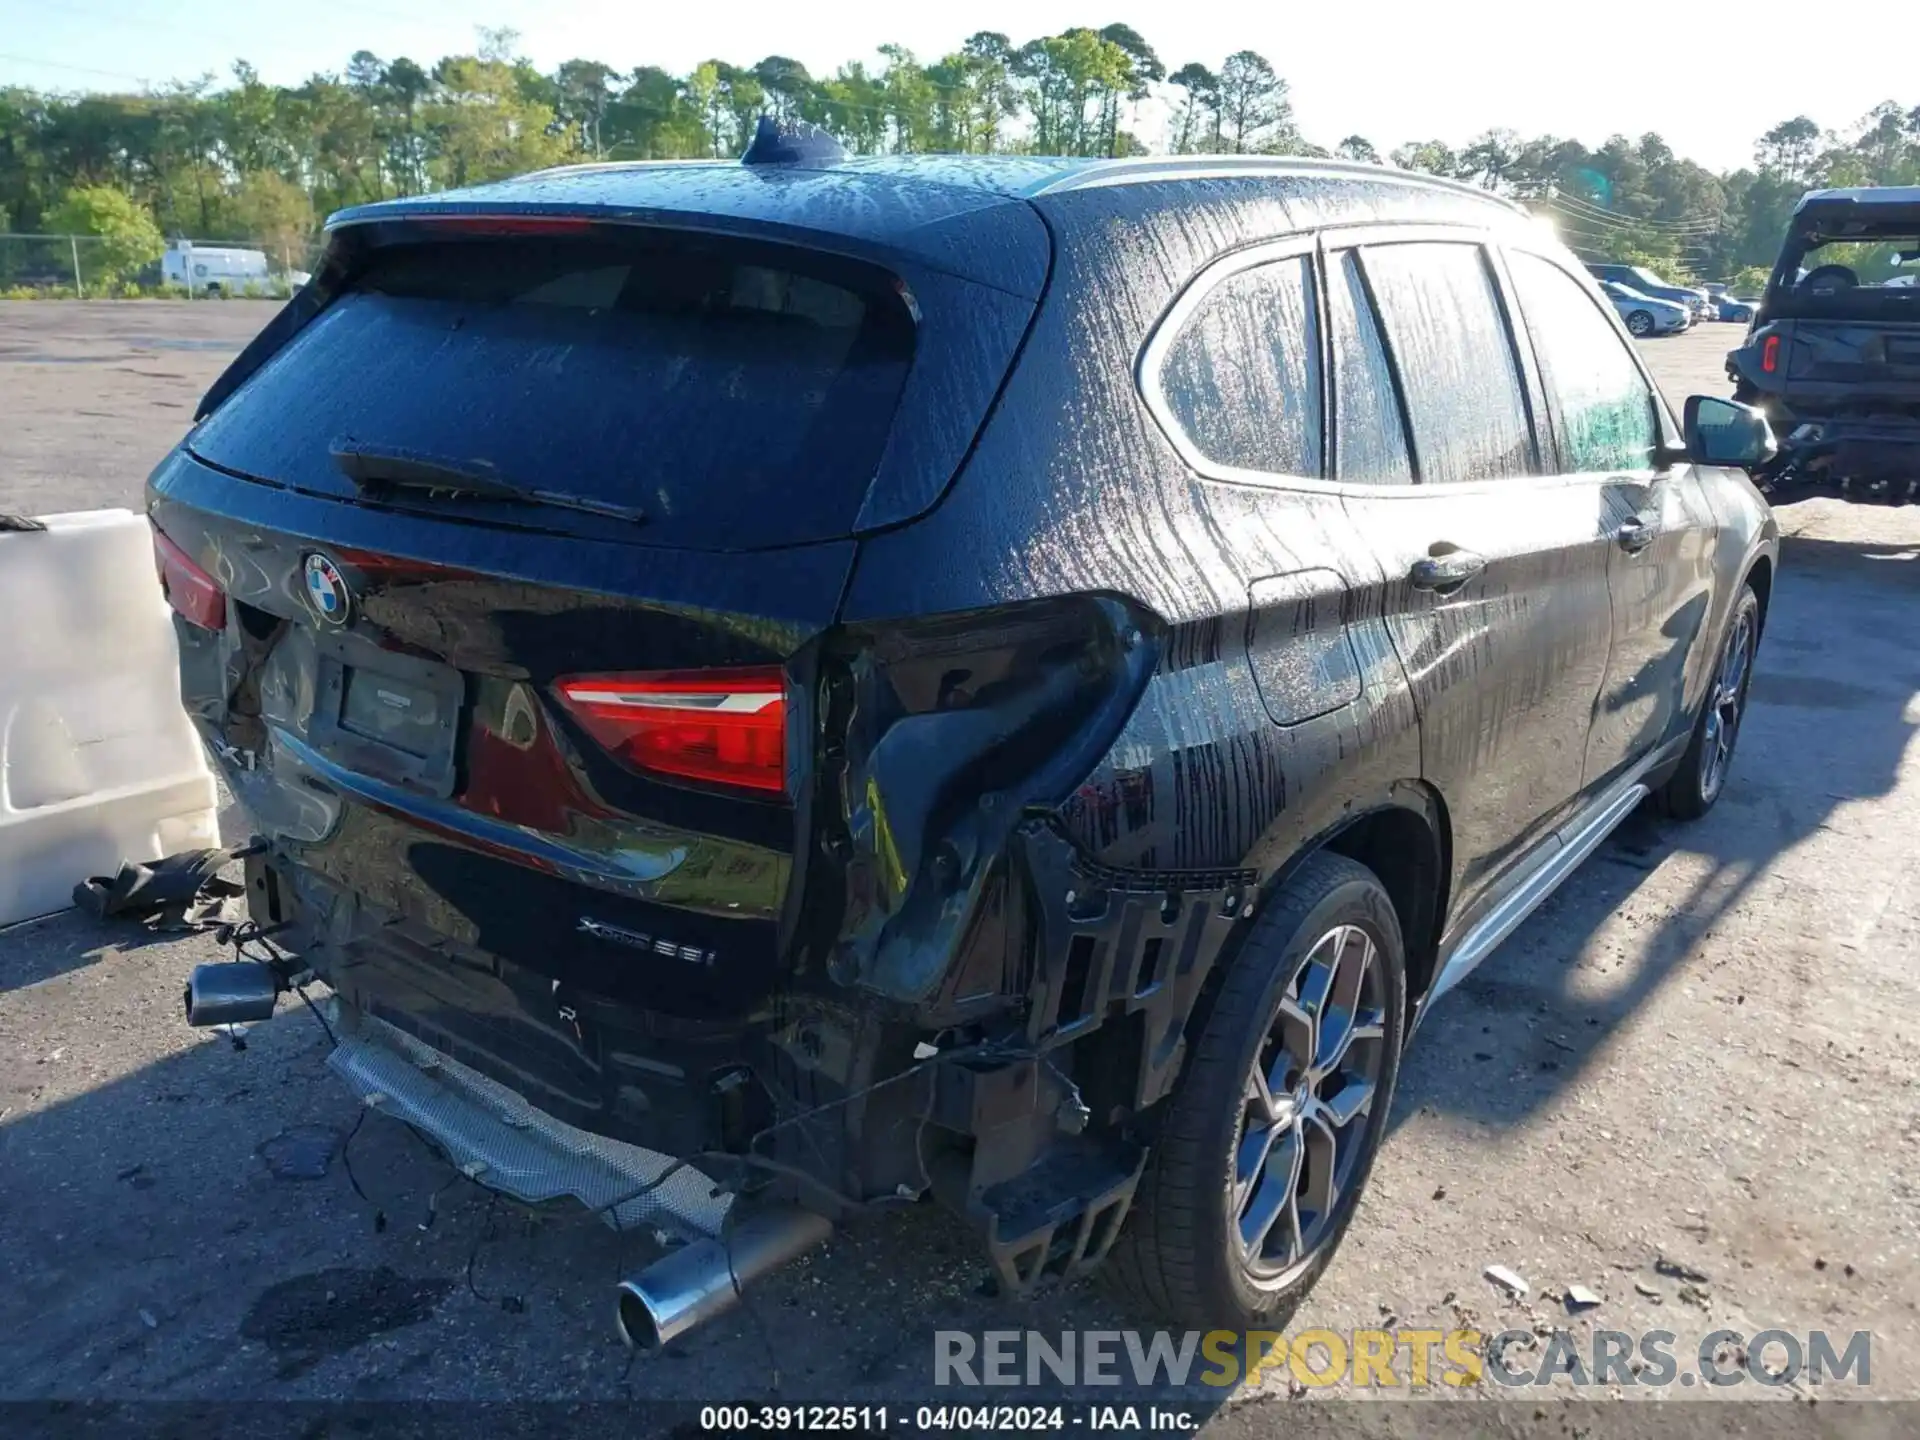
[[494, 1137], [1032, 1123]]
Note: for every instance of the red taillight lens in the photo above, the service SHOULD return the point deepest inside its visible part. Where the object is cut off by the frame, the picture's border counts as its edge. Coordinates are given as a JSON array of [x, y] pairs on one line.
[[723, 727], [1770, 354], [188, 588]]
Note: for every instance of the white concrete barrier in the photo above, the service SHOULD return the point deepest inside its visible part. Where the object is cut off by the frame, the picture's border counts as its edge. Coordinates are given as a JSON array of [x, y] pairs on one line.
[[98, 762]]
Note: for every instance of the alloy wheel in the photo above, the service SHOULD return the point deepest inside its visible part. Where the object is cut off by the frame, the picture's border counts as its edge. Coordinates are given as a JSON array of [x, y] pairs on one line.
[[1725, 706], [1308, 1107], [1639, 322]]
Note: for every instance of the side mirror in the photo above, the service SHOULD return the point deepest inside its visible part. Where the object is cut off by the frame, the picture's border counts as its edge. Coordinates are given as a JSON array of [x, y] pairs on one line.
[[1725, 432]]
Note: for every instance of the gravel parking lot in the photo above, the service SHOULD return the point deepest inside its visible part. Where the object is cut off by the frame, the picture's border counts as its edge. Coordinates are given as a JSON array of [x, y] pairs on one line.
[[1688, 1083]]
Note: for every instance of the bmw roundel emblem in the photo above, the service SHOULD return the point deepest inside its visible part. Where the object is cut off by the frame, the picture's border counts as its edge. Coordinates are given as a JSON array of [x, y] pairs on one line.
[[327, 591]]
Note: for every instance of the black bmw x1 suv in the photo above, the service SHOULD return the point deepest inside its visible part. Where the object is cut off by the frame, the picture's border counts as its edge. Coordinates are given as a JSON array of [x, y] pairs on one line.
[[768, 690]]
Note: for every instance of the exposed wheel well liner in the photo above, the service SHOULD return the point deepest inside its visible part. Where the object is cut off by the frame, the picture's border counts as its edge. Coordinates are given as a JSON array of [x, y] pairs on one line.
[[1403, 836], [1404, 843], [1760, 577]]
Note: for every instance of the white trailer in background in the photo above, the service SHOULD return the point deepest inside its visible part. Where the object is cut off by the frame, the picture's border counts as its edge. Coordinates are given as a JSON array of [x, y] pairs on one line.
[[214, 269]]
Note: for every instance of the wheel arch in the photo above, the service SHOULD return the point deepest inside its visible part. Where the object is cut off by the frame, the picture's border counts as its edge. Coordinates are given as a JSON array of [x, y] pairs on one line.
[[1760, 576], [1402, 834], [1406, 842]]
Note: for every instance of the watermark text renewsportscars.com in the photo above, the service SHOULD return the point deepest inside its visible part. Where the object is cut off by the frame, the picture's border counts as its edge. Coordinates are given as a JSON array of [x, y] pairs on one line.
[[1402, 1358]]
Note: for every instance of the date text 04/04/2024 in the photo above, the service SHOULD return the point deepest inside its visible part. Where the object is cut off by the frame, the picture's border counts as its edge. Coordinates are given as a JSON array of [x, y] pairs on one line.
[[960, 1419]]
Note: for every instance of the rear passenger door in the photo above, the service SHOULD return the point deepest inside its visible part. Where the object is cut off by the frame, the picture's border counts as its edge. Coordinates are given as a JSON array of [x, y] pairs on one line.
[[1608, 424], [1494, 572], [1308, 712]]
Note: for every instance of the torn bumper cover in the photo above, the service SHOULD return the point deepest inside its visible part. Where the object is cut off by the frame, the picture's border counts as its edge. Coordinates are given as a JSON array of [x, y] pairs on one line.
[[1059, 1135], [1033, 1122]]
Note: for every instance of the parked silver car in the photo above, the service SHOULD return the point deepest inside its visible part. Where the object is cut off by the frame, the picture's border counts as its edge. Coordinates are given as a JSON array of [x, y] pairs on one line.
[[1638, 277], [1644, 315]]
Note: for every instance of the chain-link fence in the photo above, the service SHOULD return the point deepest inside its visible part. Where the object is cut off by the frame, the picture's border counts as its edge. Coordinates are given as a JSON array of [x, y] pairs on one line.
[[94, 267]]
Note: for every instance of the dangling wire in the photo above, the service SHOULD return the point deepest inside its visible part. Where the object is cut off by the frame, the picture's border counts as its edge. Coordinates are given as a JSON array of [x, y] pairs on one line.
[[346, 1146], [751, 1156], [747, 1301], [481, 1237]]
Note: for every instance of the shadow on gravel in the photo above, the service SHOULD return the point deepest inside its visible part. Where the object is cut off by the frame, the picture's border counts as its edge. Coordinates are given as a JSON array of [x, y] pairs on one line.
[[1827, 723], [54, 945]]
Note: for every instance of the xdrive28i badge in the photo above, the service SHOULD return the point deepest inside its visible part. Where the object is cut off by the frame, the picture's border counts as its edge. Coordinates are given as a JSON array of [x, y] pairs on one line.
[[327, 590]]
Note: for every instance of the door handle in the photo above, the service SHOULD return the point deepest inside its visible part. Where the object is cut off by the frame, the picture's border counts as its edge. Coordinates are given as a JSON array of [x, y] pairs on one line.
[[1446, 572], [1634, 534]]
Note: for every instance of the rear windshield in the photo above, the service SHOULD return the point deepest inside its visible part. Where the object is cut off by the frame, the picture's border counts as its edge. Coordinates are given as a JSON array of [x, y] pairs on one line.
[[1866, 273], [738, 395]]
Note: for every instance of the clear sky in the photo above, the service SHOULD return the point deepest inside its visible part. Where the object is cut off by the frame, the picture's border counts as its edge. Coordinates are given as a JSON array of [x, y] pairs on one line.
[[1392, 70]]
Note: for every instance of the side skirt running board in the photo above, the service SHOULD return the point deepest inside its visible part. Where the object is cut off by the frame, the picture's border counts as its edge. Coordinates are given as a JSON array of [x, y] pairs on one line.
[[1560, 855]]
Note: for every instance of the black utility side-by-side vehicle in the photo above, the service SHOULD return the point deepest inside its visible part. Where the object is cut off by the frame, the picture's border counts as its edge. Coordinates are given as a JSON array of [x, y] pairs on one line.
[[1833, 357], [1008, 681]]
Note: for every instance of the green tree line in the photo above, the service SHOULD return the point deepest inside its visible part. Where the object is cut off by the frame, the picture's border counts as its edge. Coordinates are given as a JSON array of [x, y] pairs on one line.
[[246, 159]]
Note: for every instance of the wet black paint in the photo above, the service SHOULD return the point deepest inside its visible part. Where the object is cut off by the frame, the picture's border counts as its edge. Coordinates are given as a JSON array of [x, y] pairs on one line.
[[1046, 610]]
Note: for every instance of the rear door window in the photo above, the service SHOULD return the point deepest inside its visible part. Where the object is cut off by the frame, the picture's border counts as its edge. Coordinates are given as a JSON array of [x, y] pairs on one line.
[[740, 395], [1370, 435], [1455, 359], [1603, 403], [1241, 378]]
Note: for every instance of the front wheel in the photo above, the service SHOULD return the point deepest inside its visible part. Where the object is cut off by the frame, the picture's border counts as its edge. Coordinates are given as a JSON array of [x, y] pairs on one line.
[[1702, 775], [1272, 1131], [1639, 324]]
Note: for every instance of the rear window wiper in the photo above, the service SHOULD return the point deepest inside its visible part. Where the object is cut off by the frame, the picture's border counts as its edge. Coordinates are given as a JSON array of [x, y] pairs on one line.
[[374, 469]]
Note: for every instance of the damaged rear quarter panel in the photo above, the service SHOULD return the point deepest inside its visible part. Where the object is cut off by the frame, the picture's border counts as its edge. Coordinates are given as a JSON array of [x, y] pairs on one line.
[[1275, 707], [955, 731]]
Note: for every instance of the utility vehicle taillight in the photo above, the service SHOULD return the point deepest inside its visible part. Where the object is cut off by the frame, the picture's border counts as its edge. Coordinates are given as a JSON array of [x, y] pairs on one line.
[[1770, 354], [188, 588], [723, 727]]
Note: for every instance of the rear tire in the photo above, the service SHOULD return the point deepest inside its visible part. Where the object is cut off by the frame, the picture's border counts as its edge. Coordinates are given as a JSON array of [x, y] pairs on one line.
[[1639, 324], [1693, 788], [1250, 1136]]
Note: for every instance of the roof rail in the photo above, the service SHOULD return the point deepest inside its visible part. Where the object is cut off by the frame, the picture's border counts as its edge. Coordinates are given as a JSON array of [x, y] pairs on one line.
[[1140, 170]]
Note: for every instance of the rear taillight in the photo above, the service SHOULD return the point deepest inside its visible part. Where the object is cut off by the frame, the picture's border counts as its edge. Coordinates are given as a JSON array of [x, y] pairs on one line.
[[191, 591], [720, 727], [1770, 354]]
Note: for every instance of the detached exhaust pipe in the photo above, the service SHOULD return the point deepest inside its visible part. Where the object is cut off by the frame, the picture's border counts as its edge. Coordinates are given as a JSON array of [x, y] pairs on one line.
[[691, 1285], [236, 994]]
